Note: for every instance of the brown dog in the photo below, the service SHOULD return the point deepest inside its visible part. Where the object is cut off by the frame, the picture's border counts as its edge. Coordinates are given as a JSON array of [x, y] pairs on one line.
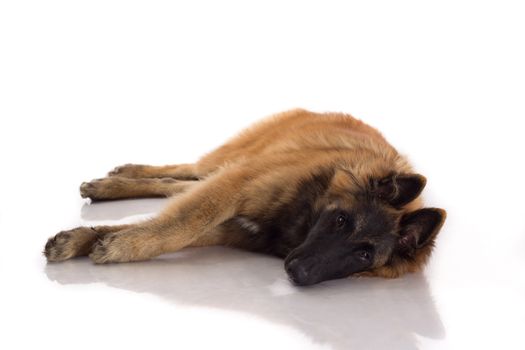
[[325, 191]]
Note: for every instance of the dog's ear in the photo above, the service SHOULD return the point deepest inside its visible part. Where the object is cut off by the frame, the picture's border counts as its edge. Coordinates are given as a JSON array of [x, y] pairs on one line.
[[398, 190], [419, 228]]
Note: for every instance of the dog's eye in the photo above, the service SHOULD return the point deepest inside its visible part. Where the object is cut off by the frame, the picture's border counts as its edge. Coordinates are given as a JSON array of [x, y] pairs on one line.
[[364, 255], [341, 220]]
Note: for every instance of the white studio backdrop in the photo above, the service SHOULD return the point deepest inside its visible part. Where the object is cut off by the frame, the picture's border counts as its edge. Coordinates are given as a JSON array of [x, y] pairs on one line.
[[180, 69], [87, 85]]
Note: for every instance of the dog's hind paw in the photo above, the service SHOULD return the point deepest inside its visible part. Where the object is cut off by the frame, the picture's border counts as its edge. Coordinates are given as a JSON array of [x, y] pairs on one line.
[[128, 170]]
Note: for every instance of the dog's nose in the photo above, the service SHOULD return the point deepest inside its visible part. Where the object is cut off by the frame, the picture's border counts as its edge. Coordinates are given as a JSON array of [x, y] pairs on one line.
[[297, 272]]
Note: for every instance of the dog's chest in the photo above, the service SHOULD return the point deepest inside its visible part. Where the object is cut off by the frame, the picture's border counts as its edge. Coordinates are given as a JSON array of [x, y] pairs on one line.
[[276, 236]]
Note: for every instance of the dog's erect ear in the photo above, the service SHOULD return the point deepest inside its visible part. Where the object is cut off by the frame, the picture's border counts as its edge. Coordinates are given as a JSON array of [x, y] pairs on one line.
[[398, 190], [419, 228]]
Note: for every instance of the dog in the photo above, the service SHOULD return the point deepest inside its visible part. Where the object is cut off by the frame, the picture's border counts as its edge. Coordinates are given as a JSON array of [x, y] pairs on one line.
[[326, 192]]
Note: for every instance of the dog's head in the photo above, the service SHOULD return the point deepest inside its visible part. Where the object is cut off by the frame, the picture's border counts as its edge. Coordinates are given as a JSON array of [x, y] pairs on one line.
[[367, 230]]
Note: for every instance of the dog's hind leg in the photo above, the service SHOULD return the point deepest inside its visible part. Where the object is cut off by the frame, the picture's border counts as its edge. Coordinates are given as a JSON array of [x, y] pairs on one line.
[[76, 242], [137, 171], [121, 188]]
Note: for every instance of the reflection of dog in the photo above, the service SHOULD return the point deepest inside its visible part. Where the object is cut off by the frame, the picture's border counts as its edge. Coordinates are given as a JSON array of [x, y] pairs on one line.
[[325, 191], [369, 313]]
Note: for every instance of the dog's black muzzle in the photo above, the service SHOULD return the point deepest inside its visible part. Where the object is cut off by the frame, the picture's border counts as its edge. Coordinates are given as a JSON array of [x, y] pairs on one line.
[[302, 271]]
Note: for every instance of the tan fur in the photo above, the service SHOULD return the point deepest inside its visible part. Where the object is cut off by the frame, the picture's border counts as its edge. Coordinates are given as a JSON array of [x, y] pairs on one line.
[[180, 171], [117, 187], [241, 177]]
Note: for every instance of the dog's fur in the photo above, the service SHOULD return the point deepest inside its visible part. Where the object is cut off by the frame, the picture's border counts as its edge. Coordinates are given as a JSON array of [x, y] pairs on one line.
[[325, 191]]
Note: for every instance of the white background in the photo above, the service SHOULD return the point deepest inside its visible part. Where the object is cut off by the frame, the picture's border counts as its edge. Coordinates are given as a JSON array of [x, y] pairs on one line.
[[87, 85]]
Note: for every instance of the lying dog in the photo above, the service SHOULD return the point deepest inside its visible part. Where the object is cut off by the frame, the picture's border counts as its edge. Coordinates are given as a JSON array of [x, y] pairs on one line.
[[324, 191]]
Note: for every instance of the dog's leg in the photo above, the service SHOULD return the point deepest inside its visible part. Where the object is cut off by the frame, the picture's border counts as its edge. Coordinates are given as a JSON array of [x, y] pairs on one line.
[[76, 242], [79, 241], [136, 171], [121, 187], [186, 221]]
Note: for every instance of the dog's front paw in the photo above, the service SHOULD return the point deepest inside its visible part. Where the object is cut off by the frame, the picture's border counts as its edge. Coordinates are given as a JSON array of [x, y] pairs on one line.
[[110, 249], [58, 248], [68, 244]]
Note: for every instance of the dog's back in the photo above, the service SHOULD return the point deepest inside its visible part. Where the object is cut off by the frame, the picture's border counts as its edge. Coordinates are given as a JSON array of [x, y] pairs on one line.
[[301, 130]]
